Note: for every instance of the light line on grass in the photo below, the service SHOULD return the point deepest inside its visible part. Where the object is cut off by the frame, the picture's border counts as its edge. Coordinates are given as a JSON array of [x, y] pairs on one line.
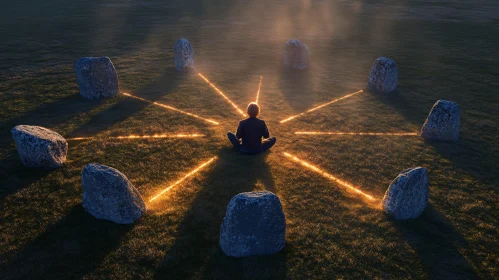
[[329, 176], [258, 92], [170, 108], [321, 106], [357, 133], [183, 178], [142, 136], [222, 94]]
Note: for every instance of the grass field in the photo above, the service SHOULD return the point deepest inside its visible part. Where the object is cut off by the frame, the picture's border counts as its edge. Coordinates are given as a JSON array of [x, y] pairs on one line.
[[444, 50]]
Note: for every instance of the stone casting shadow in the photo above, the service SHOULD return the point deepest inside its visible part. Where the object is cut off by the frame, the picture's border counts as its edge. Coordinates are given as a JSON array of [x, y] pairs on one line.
[[471, 154], [159, 87], [69, 249], [196, 250], [437, 243]]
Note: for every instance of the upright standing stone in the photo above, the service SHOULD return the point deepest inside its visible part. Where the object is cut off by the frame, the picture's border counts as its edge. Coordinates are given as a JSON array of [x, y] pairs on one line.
[[96, 77], [40, 147], [295, 55], [443, 122], [183, 55], [407, 196], [254, 225], [384, 76], [108, 195]]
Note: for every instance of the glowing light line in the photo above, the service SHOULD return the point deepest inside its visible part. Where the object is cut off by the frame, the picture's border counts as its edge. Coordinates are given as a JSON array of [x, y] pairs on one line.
[[183, 178], [321, 106], [170, 108], [329, 176], [357, 133], [222, 94], [142, 136], [258, 92]]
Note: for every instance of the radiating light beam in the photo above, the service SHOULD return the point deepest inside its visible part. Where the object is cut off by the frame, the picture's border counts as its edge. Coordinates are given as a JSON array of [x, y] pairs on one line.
[[321, 106], [258, 92], [183, 178], [222, 94], [170, 108], [357, 133], [329, 176], [141, 136]]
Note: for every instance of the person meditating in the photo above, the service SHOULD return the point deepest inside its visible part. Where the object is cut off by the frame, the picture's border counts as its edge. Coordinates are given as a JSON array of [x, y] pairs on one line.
[[248, 138]]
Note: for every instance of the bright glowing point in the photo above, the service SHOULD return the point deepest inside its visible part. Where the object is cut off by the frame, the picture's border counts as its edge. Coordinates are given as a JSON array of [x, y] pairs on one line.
[[143, 136], [170, 108], [321, 106], [258, 92], [183, 178], [358, 133], [329, 176], [223, 95]]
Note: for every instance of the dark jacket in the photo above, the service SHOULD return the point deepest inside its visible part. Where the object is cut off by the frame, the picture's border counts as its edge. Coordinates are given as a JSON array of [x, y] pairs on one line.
[[251, 130]]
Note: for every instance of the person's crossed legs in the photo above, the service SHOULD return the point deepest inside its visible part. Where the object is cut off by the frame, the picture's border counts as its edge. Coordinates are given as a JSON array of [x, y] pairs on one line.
[[233, 139], [268, 143]]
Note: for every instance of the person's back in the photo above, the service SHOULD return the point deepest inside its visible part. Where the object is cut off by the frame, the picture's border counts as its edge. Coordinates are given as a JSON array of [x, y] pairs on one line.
[[251, 131], [248, 138]]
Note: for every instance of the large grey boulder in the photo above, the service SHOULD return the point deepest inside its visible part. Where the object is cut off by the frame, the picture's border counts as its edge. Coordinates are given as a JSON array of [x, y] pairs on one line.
[[384, 76], [443, 122], [40, 147], [254, 225], [96, 77], [295, 55], [108, 195], [407, 196], [183, 55]]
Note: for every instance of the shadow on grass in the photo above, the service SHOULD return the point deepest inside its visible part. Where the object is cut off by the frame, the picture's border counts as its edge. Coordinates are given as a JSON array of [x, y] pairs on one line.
[[69, 249], [296, 88], [472, 154], [438, 245], [15, 176], [196, 249], [127, 107]]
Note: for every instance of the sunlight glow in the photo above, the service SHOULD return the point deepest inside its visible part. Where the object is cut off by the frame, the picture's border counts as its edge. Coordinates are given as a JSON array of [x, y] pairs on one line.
[[329, 176], [142, 136], [321, 106], [258, 92], [222, 94], [358, 133], [183, 178], [170, 108]]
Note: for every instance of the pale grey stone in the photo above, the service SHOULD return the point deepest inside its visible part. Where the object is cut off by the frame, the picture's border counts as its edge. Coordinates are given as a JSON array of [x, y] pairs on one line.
[[40, 147], [384, 76], [408, 194], [108, 195], [295, 55], [254, 225], [96, 77], [443, 122], [183, 55]]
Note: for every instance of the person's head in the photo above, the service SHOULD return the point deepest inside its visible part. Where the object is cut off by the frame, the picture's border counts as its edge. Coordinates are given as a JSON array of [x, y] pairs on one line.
[[253, 109]]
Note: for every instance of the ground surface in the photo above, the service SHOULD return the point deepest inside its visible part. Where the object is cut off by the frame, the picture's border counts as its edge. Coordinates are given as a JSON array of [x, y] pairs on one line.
[[444, 50]]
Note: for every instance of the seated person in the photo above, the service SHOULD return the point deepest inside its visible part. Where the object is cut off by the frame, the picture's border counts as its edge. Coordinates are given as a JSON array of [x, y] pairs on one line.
[[248, 138]]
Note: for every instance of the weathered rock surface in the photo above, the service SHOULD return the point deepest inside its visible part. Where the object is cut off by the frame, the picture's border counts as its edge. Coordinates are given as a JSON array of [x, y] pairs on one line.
[[384, 76], [183, 55], [443, 122], [254, 225], [96, 77], [108, 195], [408, 194], [295, 55], [40, 147]]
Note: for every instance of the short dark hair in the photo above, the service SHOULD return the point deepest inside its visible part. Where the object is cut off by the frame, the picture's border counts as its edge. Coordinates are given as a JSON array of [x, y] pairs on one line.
[[253, 109]]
